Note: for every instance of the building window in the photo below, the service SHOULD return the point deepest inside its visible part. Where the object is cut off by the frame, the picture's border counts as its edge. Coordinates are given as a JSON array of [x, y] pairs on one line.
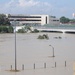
[[55, 20], [24, 20], [46, 19], [24, 16]]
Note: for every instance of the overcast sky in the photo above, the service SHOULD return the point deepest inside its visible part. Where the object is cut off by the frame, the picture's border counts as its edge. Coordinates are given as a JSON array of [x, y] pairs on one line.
[[56, 8]]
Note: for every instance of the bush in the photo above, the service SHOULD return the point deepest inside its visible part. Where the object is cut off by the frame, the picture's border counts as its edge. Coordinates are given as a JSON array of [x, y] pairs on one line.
[[40, 37], [21, 31], [44, 36], [10, 29], [35, 31], [6, 29], [3, 29]]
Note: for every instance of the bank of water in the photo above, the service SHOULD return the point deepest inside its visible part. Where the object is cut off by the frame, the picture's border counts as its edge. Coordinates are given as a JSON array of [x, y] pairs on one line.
[[31, 50]]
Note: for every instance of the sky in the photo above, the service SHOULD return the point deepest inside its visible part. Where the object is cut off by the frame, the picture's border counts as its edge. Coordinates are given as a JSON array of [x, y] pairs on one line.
[[56, 8]]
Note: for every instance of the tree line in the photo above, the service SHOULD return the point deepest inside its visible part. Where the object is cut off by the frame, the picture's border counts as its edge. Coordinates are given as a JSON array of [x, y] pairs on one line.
[[64, 19], [5, 26]]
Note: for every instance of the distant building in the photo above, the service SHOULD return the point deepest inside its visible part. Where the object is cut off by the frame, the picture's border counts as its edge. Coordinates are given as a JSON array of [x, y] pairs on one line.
[[33, 19]]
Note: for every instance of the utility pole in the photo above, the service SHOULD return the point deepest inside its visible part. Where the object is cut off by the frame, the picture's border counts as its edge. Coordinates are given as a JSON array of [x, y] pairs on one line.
[[15, 47]]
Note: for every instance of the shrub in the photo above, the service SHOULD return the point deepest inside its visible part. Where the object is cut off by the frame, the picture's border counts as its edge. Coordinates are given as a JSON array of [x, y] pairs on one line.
[[3, 29], [35, 31], [40, 37], [10, 29], [44, 36], [21, 31], [6, 29]]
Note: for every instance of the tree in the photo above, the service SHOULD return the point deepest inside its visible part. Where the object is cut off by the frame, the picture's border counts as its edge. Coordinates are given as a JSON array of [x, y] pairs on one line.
[[64, 19], [2, 16], [4, 20], [10, 29], [21, 30], [3, 29]]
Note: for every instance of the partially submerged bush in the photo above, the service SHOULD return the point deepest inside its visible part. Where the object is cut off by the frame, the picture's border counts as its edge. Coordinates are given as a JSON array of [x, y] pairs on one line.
[[44, 36], [10, 29], [40, 37], [21, 31], [6, 29], [35, 31]]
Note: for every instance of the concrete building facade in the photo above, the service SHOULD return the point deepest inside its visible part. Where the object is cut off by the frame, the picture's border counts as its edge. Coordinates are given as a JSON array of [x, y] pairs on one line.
[[33, 19]]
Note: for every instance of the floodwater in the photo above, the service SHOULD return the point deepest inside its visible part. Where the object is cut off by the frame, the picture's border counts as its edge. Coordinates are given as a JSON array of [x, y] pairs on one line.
[[31, 50]]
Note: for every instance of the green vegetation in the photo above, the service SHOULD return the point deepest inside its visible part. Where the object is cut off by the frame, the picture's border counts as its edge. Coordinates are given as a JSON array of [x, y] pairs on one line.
[[64, 19], [4, 21], [24, 29], [21, 31], [35, 31], [5, 24], [28, 29], [44, 36], [10, 29], [6, 29]]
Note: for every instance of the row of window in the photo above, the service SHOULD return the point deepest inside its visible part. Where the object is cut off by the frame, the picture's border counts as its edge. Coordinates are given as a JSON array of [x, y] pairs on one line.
[[23, 20], [24, 16], [55, 20]]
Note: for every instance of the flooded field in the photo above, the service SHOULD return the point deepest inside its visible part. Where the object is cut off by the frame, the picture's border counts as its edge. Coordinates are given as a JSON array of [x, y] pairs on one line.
[[34, 56]]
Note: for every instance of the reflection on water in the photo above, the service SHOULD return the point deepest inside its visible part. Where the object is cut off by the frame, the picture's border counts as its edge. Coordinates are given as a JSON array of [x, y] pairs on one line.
[[31, 50]]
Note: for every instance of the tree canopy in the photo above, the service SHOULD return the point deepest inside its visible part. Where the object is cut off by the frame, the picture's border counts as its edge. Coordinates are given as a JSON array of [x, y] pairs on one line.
[[64, 19], [4, 20]]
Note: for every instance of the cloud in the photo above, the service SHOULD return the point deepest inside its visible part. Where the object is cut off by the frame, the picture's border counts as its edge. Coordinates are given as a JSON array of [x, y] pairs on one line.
[[27, 3], [35, 7], [26, 6], [7, 6]]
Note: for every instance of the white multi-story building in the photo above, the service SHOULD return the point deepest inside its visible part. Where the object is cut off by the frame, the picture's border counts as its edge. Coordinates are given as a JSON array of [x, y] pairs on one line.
[[33, 19]]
